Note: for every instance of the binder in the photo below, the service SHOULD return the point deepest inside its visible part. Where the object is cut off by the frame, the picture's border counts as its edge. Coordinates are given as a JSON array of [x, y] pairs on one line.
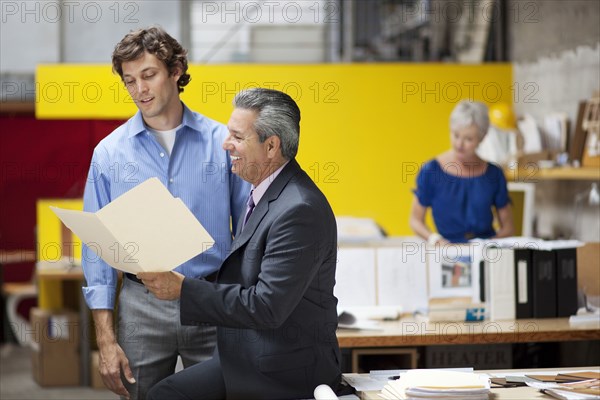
[[544, 283], [566, 282], [499, 292], [523, 284]]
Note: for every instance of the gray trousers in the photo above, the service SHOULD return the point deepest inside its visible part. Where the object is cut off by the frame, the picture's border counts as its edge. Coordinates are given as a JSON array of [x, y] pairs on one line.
[[151, 335]]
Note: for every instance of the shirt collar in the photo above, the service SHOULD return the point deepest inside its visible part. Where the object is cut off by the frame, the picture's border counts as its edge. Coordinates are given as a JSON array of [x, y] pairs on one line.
[[137, 125], [259, 191]]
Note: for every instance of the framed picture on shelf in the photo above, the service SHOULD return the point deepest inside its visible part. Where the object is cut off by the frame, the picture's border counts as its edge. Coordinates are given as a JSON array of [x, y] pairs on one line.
[[453, 271]]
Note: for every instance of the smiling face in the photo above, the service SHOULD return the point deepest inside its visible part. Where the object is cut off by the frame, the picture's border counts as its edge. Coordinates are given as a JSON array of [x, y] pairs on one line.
[[154, 91], [252, 160], [464, 142]]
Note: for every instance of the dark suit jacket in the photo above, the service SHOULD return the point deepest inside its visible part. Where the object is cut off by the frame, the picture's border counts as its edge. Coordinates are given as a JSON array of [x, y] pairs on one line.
[[273, 300]]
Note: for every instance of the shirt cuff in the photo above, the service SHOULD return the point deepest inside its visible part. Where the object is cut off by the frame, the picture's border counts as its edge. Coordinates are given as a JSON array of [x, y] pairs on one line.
[[101, 297], [433, 239]]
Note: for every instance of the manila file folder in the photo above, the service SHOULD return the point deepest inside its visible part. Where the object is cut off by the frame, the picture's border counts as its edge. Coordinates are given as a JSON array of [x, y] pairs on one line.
[[144, 229]]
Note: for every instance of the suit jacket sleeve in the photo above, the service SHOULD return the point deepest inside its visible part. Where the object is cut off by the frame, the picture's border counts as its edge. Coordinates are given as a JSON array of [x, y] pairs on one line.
[[294, 250]]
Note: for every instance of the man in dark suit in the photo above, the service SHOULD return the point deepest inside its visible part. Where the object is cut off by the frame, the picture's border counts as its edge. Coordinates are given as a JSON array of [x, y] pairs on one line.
[[273, 299]]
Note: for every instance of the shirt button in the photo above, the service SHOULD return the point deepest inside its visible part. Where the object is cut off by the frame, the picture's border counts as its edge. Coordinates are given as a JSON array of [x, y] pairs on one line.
[[171, 180], [162, 154]]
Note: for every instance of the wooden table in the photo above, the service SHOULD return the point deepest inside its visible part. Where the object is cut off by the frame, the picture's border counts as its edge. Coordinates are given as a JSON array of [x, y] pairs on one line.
[[414, 332], [401, 338]]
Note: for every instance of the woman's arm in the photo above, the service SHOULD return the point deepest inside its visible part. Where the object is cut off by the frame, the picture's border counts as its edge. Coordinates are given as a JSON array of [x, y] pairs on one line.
[[505, 219], [417, 223]]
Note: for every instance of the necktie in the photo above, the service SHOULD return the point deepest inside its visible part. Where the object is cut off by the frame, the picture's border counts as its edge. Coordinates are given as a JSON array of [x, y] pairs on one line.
[[249, 208]]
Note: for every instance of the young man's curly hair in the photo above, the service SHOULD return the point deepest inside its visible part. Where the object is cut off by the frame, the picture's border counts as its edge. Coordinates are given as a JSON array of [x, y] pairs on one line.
[[157, 42]]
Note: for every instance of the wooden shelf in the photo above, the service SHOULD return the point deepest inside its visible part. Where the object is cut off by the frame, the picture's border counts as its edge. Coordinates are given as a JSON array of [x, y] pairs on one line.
[[17, 107], [533, 173]]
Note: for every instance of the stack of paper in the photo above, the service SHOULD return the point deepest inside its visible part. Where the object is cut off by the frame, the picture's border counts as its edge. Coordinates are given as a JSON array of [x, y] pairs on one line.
[[145, 229], [366, 317], [437, 384]]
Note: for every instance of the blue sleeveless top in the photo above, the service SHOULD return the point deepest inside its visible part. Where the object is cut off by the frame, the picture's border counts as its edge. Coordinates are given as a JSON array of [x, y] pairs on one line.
[[462, 206]]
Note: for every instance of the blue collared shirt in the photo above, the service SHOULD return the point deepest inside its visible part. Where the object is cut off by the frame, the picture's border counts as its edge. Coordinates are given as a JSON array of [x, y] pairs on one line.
[[198, 171]]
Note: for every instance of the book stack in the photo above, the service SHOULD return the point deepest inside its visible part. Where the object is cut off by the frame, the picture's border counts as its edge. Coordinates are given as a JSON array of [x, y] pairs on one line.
[[455, 309], [437, 384]]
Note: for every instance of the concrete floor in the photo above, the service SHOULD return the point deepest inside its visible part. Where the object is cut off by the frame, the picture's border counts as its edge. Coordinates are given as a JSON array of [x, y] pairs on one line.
[[16, 382]]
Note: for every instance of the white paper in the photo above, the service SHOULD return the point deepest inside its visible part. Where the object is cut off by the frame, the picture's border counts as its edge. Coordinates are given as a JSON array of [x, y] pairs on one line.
[[402, 277], [375, 313], [355, 277], [145, 229], [365, 317], [531, 135], [438, 384], [364, 383], [555, 127]]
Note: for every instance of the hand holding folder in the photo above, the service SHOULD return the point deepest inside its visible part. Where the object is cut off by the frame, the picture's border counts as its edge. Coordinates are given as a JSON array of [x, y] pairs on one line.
[[145, 229]]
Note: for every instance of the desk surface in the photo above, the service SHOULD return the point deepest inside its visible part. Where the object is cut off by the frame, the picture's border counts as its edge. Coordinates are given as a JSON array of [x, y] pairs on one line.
[[517, 393], [63, 269], [75, 273], [413, 332]]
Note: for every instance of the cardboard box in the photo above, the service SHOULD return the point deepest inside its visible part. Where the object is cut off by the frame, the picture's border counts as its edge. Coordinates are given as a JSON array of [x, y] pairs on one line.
[[96, 381], [588, 269], [55, 347]]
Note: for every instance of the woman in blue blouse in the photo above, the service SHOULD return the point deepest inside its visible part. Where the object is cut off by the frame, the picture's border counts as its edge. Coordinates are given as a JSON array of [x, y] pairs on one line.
[[460, 187]]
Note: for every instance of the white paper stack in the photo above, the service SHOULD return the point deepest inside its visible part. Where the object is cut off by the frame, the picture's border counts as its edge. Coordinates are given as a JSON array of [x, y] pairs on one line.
[[437, 384]]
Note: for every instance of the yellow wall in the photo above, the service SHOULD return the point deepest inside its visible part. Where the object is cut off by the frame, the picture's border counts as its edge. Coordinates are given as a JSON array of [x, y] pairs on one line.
[[366, 128], [50, 247]]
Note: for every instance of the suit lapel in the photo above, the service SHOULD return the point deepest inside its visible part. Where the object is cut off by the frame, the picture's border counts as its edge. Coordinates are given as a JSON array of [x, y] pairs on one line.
[[261, 209]]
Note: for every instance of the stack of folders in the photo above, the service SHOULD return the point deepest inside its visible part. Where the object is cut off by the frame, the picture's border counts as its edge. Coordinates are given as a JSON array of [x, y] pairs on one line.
[[437, 384], [565, 387]]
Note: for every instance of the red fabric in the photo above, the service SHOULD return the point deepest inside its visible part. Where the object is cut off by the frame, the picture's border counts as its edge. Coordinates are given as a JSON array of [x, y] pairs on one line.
[[40, 159]]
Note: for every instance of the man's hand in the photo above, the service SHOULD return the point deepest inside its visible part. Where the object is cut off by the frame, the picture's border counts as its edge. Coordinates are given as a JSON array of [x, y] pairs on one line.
[[164, 285], [112, 361], [112, 358]]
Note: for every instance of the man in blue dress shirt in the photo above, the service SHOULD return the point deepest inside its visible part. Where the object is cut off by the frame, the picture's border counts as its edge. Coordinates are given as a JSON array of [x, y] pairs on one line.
[[164, 139]]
